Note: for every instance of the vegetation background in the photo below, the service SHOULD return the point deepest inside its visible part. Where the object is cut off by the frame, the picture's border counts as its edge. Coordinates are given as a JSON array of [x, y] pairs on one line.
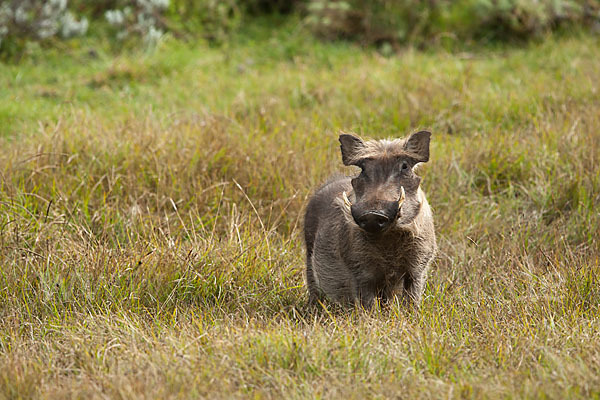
[[156, 157]]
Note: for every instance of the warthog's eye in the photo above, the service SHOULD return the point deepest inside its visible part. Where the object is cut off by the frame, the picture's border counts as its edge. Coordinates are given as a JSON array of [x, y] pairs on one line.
[[404, 166]]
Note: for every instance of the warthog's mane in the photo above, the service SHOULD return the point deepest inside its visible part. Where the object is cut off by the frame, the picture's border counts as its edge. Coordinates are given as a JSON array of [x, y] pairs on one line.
[[378, 149]]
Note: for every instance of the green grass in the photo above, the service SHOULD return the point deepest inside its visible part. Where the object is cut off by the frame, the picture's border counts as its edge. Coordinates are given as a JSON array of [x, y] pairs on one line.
[[151, 208]]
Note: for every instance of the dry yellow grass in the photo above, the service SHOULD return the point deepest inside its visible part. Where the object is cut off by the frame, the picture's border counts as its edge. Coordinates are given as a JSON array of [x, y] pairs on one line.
[[150, 224]]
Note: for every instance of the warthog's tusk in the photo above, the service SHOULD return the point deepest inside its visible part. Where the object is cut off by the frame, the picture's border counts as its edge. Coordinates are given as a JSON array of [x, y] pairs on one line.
[[402, 197], [346, 200]]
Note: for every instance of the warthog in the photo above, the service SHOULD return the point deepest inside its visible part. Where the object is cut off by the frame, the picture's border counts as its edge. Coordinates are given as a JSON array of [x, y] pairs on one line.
[[371, 236]]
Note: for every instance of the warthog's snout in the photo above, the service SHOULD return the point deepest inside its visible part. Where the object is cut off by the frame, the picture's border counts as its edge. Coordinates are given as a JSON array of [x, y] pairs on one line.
[[376, 221]]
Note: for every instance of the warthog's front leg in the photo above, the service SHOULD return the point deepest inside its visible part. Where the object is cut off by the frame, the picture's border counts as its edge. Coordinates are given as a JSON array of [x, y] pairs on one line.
[[367, 298], [413, 289]]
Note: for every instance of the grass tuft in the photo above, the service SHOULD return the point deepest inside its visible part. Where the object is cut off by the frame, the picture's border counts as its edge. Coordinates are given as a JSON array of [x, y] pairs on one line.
[[151, 209]]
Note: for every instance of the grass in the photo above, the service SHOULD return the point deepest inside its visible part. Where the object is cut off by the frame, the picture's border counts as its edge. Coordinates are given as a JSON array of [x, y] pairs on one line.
[[151, 208]]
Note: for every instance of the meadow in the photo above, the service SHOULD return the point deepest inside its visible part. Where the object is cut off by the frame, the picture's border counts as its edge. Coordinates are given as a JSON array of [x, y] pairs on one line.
[[151, 220]]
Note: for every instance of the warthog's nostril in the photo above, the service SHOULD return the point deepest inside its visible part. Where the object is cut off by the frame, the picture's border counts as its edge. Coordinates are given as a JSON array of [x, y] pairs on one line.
[[373, 222]]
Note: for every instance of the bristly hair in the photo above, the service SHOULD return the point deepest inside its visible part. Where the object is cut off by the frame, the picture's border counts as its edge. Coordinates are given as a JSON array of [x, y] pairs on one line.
[[379, 149]]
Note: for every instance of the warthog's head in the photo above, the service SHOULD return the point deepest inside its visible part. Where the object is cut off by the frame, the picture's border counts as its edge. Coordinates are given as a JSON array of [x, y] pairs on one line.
[[387, 189]]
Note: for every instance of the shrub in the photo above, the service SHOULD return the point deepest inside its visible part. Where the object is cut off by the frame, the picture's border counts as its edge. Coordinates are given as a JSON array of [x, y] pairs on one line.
[[523, 18], [415, 21], [23, 20], [257, 7], [213, 19], [373, 21], [138, 17]]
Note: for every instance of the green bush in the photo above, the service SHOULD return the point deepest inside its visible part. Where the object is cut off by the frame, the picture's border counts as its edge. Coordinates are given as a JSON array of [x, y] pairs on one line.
[[138, 17], [215, 20], [381, 22], [523, 18], [417, 21], [23, 21], [373, 21], [26, 20]]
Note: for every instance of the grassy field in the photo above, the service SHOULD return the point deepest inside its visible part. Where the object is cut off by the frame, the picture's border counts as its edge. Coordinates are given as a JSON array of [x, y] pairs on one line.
[[151, 213]]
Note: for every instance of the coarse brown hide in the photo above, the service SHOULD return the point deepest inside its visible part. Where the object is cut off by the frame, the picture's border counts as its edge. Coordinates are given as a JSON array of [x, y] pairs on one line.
[[371, 236]]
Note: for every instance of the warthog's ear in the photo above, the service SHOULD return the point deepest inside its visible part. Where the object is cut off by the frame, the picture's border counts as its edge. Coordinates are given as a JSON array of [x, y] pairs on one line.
[[418, 145], [351, 147]]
